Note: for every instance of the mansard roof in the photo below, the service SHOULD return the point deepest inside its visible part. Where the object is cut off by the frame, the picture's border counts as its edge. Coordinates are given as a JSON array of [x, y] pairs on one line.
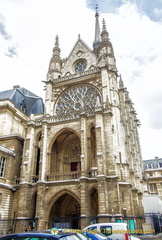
[[25, 100], [154, 163]]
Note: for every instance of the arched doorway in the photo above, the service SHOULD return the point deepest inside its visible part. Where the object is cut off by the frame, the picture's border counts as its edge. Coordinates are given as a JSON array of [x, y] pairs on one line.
[[65, 213], [65, 153]]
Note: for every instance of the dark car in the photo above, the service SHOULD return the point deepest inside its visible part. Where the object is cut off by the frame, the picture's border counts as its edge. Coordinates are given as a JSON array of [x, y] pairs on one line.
[[39, 236]]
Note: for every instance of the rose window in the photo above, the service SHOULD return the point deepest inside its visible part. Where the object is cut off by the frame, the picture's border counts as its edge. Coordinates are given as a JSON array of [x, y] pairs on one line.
[[76, 100], [80, 66]]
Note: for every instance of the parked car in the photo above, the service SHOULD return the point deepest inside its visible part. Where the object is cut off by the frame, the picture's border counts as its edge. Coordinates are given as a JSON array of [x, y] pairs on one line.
[[39, 236], [112, 230]]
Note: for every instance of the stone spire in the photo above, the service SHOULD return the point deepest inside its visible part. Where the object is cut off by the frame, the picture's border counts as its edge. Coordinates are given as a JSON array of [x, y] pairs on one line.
[[55, 62], [97, 39], [104, 34], [105, 42], [56, 49], [121, 84]]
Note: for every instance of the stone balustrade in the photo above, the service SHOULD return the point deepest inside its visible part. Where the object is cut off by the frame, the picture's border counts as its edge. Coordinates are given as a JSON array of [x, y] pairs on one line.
[[63, 176]]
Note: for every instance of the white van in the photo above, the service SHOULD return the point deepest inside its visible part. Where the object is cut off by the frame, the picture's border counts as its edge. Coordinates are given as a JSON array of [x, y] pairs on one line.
[[117, 231]]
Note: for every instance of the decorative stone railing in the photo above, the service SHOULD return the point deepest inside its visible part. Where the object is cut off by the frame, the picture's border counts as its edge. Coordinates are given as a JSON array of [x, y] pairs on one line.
[[93, 173], [72, 76], [63, 176], [53, 119], [34, 178]]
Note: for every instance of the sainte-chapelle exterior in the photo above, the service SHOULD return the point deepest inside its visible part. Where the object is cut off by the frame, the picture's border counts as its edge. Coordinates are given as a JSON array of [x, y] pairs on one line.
[[75, 159]]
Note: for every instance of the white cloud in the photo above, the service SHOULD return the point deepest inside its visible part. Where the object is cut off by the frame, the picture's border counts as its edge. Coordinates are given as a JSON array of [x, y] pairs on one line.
[[33, 26], [138, 50]]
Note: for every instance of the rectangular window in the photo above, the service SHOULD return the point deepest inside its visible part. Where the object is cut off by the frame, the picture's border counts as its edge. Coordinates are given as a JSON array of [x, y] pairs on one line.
[[160, 164], [2, 166], [153, 187]]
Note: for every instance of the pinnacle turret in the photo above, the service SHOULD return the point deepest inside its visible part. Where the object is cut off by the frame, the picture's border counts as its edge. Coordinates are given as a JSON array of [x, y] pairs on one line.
[[121, 84], [104, 34], [55, 62], [56, 49]]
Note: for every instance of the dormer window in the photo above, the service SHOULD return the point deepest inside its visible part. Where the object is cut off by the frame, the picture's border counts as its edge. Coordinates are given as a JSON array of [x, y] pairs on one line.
[[149, 165], [80, 66]]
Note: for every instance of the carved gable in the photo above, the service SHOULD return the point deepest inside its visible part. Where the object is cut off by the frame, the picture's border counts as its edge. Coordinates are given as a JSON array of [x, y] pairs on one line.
[[81, 58]]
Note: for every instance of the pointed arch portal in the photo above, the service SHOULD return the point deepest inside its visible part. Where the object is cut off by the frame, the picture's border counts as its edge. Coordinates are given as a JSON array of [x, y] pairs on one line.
[[65, 153], [65, 213]]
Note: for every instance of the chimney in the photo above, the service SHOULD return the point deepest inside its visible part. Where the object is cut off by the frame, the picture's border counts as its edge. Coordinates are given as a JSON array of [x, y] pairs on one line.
[[16, 86]]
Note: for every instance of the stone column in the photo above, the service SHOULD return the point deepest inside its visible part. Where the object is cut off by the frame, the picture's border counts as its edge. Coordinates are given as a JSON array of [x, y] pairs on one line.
[[23, 212], [84, 202], [48, 97], [44, 152], [27, 168], [83, 139], [41, 207], [84, 197], [31, 160], [100, 149], [102, 199]]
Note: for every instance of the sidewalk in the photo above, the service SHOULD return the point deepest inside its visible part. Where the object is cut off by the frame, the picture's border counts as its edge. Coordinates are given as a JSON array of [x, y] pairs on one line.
[[151, 237]]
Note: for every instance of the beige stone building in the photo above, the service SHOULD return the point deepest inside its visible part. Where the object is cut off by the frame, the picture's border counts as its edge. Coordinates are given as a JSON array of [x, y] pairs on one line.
[[79, 160], [153, 171]]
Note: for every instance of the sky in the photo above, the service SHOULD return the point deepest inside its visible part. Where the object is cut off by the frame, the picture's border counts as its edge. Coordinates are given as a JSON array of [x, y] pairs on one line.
[[27, 35]]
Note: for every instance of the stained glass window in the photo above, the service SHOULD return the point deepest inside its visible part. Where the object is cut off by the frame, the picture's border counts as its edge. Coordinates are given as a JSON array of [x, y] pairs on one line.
[[77, 99], [80, 66]]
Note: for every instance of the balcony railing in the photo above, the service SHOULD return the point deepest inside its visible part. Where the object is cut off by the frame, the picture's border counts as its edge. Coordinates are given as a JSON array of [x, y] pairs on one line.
[[93, 173], [34, 178], [62, 176]]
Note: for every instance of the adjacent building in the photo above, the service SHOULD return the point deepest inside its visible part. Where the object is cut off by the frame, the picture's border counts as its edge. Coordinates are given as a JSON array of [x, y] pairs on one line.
[[78, 160], [153, 171]]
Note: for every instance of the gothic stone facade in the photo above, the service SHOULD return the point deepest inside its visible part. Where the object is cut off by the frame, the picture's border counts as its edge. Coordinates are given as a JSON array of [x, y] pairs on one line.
[[80, 161]]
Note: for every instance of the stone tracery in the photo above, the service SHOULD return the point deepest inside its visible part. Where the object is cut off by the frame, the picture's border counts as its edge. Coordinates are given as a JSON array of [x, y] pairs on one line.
[[78, 99]]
